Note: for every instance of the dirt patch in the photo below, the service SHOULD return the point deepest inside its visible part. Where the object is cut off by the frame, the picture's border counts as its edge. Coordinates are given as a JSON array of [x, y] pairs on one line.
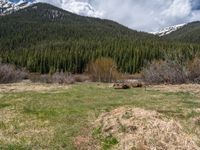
[[197, 110], [26, 86], [192, 88], [197, 120], [141, 129], [85, 143], [85, 140]]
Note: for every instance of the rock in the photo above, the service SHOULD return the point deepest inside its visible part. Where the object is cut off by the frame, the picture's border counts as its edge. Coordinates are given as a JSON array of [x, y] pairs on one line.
[[129, 84], [121, 86]]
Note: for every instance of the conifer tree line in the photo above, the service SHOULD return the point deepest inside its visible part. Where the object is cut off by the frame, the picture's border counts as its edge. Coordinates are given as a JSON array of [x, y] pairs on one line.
[[39, 41], [73, 56]]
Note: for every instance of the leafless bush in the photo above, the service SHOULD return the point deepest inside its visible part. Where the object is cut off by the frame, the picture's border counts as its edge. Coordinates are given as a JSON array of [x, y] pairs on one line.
[[59, 77], [68, 78], [136, 76], [164, 72], [194, 70], [62, 78], [81, 78], [45, 78], [103, 70], [37, 77], [10, 74]]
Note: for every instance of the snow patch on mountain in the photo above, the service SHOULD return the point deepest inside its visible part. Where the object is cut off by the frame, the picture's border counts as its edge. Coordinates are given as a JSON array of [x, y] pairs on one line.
[[7, 7], [168, 30], [80, 7]]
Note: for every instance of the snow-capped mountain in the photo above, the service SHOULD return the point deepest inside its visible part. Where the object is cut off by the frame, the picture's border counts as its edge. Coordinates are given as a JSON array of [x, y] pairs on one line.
[[79, 7], [169, 30], [7, 7]]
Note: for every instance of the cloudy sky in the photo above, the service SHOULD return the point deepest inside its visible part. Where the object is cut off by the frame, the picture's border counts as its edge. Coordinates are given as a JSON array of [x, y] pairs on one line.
[[150, 15], [145, 15]]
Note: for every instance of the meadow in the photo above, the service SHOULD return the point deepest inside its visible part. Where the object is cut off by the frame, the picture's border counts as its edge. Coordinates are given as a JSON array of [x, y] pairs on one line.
[[51, 116]]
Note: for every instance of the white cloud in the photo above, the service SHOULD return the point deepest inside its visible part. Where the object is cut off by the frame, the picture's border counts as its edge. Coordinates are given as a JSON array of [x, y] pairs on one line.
[[81, 7], [178, 8], [146, 15], [149, 15]]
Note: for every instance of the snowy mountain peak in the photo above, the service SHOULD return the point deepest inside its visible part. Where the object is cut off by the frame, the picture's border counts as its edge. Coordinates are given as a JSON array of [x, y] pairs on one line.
[[7, 7], [79, 7], [169, 30]]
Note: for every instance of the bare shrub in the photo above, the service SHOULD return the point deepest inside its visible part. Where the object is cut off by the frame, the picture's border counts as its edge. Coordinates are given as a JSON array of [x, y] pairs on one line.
[[68, 78], [45, 78], [37, 77], [10, 74], [62, 78], [59, 77], [103, 70], [164, 72], [194, 70], [81, 78], [136, 76]]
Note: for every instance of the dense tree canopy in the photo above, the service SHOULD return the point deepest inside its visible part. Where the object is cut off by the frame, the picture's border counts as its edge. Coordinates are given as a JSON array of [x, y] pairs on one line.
[[44, 39], [190, 33]]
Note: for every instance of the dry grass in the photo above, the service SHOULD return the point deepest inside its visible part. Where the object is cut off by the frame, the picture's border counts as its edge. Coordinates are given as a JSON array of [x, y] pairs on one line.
[[28, 86], [191, 88], [86, 142], [141, 129], [18, 129]]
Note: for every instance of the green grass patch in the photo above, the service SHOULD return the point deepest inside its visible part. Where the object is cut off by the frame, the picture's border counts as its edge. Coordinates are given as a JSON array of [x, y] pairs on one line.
[[2, 125], [109, 142], [193, 114], [68, 112], [4, 105], [15, 147]]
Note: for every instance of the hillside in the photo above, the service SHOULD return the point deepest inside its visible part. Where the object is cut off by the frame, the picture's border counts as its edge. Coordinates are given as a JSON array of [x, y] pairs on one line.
[[189, 33], [44, 38], [168, 30], [45, 22]]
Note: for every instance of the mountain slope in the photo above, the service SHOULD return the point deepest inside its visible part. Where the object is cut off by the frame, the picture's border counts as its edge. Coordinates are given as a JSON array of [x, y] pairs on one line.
[[74, 6], [189, 33], [44, 22], [8, 7], [168, 30], [44, 38]]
